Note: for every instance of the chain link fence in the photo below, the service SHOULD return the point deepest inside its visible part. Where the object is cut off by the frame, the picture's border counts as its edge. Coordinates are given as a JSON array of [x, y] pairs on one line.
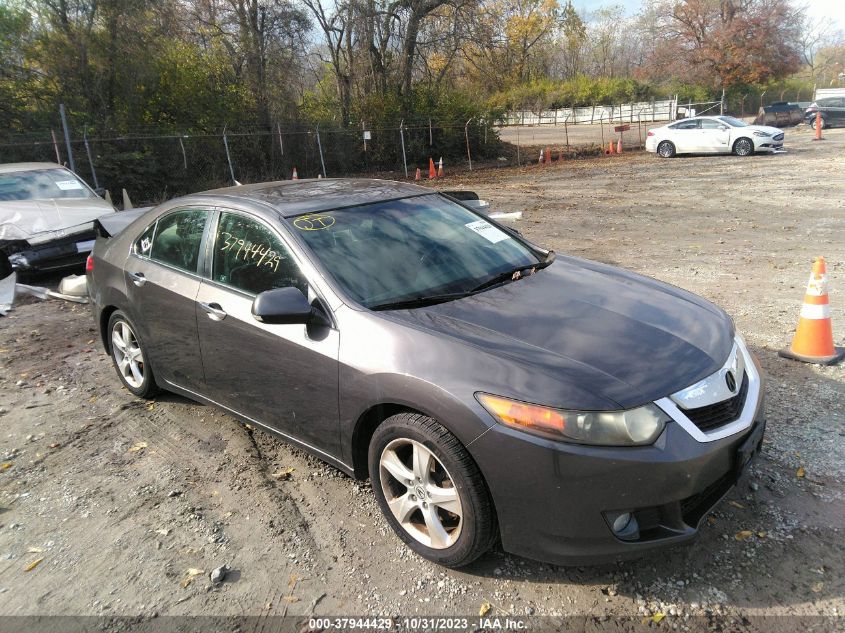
[[155, 167]]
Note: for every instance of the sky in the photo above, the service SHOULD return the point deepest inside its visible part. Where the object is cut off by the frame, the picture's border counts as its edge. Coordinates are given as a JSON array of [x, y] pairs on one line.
[[831, 9]]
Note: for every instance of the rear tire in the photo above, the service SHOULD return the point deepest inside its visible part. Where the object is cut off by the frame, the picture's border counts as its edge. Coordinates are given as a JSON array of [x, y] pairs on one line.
[[129, 357], [666, 149], [431, 491], [821, 122], [743, 147]]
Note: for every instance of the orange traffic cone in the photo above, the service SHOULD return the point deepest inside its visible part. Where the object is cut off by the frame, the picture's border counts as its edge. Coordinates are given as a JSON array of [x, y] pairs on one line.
[[813, 340], [440, 173], [419, 175], [548, 156], [295, 175], [619, 147], [610, 148], [432, 174], [818, 136]]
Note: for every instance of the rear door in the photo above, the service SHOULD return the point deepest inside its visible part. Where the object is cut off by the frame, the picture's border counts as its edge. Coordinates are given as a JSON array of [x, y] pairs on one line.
[[162, 281], [283, 376], [686, 135]]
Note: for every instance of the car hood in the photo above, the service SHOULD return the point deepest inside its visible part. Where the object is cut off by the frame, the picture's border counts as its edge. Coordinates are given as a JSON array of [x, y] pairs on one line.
[[625, 338], [32, 220]]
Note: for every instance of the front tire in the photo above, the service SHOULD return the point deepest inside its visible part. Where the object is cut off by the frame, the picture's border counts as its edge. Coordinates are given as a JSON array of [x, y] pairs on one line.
[[822, 124], [431, 491], [744, 147], [129, 357], [666, 149]]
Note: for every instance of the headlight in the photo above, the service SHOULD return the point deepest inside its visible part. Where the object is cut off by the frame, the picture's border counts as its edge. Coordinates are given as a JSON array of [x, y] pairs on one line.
[[634, 427], [764, 134]]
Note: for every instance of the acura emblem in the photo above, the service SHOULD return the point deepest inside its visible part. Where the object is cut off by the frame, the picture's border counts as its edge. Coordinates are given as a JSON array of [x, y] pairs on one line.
[[730, 380]]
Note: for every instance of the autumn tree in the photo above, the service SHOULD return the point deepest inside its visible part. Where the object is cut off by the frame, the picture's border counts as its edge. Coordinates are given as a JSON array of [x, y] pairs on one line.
[[734, 41]]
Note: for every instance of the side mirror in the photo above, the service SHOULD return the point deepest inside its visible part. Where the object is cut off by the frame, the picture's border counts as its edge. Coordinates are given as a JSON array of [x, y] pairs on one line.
[[285, 306], [723, 127]]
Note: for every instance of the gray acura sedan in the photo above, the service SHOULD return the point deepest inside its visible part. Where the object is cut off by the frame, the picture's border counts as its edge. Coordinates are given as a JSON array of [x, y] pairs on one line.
[[489, 389]]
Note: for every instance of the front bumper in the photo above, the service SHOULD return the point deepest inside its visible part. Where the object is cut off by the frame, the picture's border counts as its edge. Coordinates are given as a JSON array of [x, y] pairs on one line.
[[65, 252], [553, 499]]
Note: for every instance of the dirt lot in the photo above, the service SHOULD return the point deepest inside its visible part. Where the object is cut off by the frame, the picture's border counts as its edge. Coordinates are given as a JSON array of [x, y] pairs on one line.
[[121, 498]]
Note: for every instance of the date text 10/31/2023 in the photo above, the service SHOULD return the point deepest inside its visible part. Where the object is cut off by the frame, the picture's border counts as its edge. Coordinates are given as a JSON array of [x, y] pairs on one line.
[[419, 623]]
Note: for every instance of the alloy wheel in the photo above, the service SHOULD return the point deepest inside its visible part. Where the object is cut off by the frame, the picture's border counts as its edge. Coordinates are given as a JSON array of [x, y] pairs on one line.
[[744, 147], [666, 150], [127, 354], [421, 493]]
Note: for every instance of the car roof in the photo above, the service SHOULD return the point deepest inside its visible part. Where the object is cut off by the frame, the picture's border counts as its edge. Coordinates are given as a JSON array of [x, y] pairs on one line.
[[9, 168], [293, 197]]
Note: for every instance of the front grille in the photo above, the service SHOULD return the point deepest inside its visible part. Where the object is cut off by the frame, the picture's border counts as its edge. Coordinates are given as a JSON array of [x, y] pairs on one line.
[[779, 137], [718, 414]]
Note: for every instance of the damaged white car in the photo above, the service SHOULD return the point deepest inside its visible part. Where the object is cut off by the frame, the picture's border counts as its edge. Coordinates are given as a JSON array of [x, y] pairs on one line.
[[46, 217]]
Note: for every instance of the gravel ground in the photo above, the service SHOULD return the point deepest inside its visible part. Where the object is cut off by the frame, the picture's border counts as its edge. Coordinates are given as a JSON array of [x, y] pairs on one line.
[[129, 505]]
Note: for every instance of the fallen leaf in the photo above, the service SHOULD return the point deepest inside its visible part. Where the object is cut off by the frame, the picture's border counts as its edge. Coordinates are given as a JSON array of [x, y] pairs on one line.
[[736, 504], [800, 472], [92, 399], [33, 564], [817, 587], [711, 520], [485, 609], [742, 535], [6, 466], [54, 445], [284, 473], [163, 531], [761, 534], [293, 580], [91, 342], [35, 550], [290, 599], [151, 406], [657, 617], [192, 573], [137, 446]]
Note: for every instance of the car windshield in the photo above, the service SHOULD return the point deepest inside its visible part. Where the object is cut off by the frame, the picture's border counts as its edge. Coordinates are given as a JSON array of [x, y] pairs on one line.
[[411, 249], [733, 122], [42, 184]]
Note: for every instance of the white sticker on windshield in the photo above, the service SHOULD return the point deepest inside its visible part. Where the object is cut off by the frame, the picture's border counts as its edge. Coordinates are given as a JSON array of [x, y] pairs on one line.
[[488, 231], [67, 185]]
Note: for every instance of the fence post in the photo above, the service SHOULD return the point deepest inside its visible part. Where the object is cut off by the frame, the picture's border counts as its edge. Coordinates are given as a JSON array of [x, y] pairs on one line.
[[56, 146], [320, 148], [402, 138], [67, 137], [90, 160], [566, 132], [518, 162], [184, 155], [466, 134], [228, 157]]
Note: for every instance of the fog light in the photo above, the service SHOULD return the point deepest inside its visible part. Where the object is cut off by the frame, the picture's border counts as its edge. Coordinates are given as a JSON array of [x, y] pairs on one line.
[[624, 526]]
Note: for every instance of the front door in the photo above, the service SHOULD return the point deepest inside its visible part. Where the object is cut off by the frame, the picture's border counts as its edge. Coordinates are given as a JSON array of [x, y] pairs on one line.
[[716, 136], [162, 284], [282, 376]]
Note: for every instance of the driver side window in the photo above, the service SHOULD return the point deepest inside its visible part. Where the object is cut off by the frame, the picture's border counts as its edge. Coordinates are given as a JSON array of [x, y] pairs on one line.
[[250, 257]]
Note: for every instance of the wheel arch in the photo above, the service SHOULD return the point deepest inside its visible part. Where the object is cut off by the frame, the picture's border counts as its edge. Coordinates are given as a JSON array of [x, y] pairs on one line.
[[105, 315], [366, 425]]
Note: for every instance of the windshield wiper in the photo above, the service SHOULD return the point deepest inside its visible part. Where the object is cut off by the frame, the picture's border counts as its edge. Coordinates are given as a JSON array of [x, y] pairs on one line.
[[511, 275], [418, 302]]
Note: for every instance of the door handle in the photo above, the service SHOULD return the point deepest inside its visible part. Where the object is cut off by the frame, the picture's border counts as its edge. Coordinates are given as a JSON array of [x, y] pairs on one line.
[[214, 311], [138, 279]]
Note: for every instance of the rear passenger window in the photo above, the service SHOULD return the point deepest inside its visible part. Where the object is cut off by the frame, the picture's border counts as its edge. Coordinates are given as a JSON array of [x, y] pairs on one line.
[[250, 257], [177, 239]]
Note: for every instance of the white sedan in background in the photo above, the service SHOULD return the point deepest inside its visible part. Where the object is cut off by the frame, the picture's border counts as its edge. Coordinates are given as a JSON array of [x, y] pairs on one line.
[[713, 135]]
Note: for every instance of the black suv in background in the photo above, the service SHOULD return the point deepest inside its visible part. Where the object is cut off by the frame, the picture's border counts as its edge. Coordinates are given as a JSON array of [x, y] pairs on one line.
[[832, 110]]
